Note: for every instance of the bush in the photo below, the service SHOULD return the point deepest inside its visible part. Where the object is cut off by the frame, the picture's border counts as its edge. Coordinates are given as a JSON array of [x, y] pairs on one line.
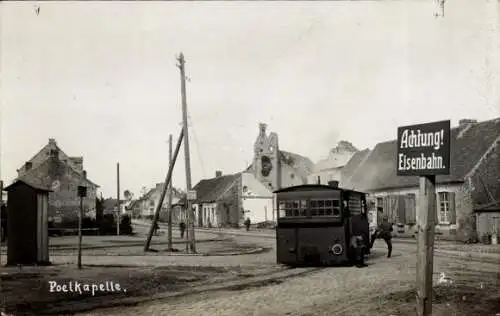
[[108, 225]]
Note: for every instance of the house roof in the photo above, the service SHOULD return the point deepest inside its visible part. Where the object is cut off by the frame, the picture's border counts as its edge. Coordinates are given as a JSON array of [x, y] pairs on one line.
[[37, 185], [490, 207], [468, 145], [33, 175], [52, 144], [352, 165], [300, 163], [209, 190]]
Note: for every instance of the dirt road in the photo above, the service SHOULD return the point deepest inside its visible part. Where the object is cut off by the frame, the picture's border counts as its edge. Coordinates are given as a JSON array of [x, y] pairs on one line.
[[383, 288]]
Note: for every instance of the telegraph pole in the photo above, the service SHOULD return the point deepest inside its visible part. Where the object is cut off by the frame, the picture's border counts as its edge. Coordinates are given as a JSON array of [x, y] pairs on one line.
[[186, 153], [169, 232], [1, 217], [118, 217]]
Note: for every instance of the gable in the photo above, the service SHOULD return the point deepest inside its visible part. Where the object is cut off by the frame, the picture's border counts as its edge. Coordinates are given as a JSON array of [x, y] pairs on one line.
[[467, 147], [43, 173], [44, 154], [253, 186]]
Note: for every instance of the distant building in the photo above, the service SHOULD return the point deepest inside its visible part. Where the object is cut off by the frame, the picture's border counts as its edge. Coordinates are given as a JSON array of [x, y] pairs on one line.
[[330, 168], [467, 199], [51, 168], [276, 168], [146, 205]]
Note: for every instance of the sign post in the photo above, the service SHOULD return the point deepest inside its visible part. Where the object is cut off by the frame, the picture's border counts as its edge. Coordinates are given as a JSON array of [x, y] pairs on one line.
[[190, 198], [82, 192], [424, 151]]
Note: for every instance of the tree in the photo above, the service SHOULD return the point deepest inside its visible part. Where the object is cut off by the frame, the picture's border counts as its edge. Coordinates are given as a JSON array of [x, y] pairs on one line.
[[128, 195]]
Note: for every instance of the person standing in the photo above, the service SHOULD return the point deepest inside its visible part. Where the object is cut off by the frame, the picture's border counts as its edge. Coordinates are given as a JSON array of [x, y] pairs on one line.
[[182, 228], [247, 224], [384, 231]]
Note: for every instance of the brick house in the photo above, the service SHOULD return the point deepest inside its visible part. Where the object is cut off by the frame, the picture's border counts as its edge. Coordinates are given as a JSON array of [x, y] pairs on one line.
[[473, 182], [218, 201], [53, 169]]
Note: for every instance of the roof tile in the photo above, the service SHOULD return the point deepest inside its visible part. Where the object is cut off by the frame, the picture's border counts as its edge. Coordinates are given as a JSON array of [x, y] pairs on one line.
[[379, 170]]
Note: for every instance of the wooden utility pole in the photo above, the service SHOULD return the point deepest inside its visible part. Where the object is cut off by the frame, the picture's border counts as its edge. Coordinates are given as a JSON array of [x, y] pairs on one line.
[[425, 245], [170, 189], [186, 154], [118, 215], [1, 217], [164, 191]]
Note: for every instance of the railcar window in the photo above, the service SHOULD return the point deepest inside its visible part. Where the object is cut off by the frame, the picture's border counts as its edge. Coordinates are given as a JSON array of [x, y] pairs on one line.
[[355, 207], [324, 207], [292, 208]]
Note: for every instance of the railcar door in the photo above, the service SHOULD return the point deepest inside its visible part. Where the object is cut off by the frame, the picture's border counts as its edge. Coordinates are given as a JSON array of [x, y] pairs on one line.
[[356, 203], [290, 212]]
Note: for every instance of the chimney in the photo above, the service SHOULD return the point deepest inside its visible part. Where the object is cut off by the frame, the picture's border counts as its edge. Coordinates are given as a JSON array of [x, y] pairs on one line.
[[334, 184], [466, 122], [52, 141], [218, 173], [28, 165], [84, 173], [158, 185]]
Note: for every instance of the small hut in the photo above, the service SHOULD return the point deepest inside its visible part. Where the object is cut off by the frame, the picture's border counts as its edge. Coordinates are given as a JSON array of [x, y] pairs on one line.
[[27, 223]]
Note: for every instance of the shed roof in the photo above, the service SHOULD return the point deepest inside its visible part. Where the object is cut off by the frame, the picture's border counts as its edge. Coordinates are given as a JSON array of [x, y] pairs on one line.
[[39, 186], [468, 145]]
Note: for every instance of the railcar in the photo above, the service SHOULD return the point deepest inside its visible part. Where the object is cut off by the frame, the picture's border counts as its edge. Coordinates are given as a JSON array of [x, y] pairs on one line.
[[315, 224]]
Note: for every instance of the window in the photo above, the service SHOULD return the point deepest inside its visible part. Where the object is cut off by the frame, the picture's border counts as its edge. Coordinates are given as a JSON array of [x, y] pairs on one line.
[[291, 208], [151, 203], [380, 204], [324, 207], [444, 207], [245, 189]]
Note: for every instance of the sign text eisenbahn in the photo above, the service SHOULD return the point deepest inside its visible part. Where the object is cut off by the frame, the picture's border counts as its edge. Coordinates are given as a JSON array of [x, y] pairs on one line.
[[424, 149]]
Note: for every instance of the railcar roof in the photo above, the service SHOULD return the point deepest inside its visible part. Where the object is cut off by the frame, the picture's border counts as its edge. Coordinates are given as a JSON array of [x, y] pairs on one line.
[[313, 187]]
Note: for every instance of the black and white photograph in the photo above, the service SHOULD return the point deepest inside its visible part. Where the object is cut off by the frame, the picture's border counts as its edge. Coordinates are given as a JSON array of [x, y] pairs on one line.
[[260, 158]]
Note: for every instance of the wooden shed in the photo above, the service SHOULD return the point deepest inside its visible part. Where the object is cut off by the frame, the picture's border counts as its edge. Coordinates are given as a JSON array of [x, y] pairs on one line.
[[27, 223]]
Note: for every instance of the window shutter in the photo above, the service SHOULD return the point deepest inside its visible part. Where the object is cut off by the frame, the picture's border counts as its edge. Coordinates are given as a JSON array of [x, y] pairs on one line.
[[385, 206], [452, 217], [438, 208], [410, 209], [402, 210]]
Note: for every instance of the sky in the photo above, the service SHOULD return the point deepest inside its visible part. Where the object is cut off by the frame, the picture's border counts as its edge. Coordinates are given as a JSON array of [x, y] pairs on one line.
[[101, 78]]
